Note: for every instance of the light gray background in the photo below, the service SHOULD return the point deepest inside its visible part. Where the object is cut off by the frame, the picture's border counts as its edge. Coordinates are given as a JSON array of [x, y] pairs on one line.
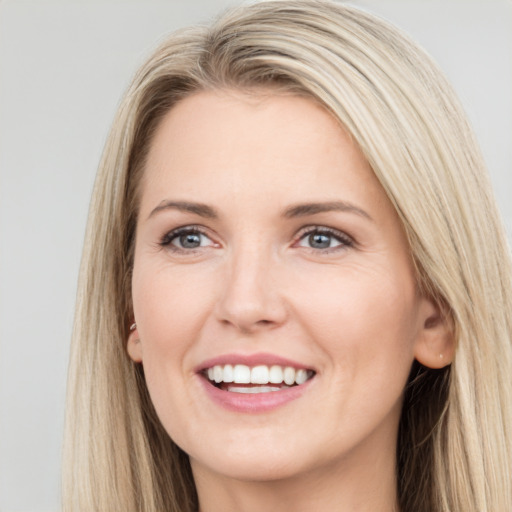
[[63, 66]]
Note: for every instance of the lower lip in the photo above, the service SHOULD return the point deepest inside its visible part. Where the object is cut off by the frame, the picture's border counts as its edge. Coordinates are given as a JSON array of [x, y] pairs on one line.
[[253, 402]]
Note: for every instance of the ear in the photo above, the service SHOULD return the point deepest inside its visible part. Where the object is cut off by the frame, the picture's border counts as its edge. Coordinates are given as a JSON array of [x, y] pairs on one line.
[[133, 346], [435, 344]]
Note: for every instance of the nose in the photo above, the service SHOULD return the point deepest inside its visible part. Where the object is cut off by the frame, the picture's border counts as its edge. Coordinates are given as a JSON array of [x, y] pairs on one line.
[[251, 298]]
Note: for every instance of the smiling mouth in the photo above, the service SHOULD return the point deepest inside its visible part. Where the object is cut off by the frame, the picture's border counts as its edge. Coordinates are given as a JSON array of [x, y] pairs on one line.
[[240, 378]]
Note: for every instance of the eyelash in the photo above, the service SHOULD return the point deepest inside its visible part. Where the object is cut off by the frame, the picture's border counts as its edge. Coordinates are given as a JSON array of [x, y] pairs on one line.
[[176, 233], [345, 240]]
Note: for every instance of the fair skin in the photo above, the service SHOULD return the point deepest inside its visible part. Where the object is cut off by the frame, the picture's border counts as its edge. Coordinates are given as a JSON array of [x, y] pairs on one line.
[[256, 278]]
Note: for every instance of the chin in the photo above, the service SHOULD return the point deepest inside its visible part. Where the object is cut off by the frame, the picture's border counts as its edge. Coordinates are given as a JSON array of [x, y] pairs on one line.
[[251, 467], [262, 453]]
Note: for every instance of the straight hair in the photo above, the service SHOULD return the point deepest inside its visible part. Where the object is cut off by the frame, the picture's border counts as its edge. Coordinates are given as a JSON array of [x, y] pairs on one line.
[[454, 449]]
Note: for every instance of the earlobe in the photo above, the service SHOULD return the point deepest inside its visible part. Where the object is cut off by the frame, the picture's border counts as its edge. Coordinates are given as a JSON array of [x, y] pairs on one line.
[[133, 345], [435, 345]]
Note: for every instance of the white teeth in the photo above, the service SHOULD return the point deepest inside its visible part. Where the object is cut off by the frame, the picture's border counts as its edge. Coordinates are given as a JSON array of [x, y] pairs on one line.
[[289, 375], [218, 374], [228, 373], [241, 374], [301, 376], [259, 375], [275, 375]]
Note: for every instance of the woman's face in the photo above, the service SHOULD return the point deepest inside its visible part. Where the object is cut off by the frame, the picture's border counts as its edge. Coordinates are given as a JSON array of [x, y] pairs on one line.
[[267, 252]]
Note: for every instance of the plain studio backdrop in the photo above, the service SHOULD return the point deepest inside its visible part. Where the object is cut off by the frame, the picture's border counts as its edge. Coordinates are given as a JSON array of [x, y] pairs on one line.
[[63, 67]]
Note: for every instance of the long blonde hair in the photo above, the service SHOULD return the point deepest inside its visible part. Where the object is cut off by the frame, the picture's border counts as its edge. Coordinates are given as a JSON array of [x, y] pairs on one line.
[[454, 448]]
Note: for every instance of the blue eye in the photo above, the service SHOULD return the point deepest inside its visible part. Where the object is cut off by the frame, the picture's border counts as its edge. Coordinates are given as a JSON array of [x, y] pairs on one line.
[[320, 240], [188, 238], [188, 241], [324, 239]]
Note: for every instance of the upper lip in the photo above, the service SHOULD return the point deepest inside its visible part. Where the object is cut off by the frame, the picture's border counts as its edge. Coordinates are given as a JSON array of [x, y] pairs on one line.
[[251, 360]]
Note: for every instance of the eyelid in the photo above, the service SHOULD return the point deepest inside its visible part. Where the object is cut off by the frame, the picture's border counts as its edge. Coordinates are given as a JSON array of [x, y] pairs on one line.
[[169, 236]]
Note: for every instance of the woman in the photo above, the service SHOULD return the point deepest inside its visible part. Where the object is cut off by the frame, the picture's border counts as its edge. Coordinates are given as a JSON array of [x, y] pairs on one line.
[[295, 289]]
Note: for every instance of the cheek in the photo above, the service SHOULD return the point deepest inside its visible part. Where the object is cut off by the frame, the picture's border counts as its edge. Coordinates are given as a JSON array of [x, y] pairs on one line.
[[170, 306], [365, 320]]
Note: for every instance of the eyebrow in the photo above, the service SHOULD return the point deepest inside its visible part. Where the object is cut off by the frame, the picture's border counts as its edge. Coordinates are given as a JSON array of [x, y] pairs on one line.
[[203, 210], [299, 210], [303, 210]]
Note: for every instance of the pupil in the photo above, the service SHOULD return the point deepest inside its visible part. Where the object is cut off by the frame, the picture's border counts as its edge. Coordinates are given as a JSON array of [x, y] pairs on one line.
[[319, 241], [190, 241]]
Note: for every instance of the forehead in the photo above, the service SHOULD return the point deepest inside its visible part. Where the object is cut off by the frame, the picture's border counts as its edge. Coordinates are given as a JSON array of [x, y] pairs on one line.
[[226, 144]]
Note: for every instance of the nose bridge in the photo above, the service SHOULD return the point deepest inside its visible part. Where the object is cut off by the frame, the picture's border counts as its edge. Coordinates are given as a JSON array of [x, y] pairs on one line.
[[250, 297]]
